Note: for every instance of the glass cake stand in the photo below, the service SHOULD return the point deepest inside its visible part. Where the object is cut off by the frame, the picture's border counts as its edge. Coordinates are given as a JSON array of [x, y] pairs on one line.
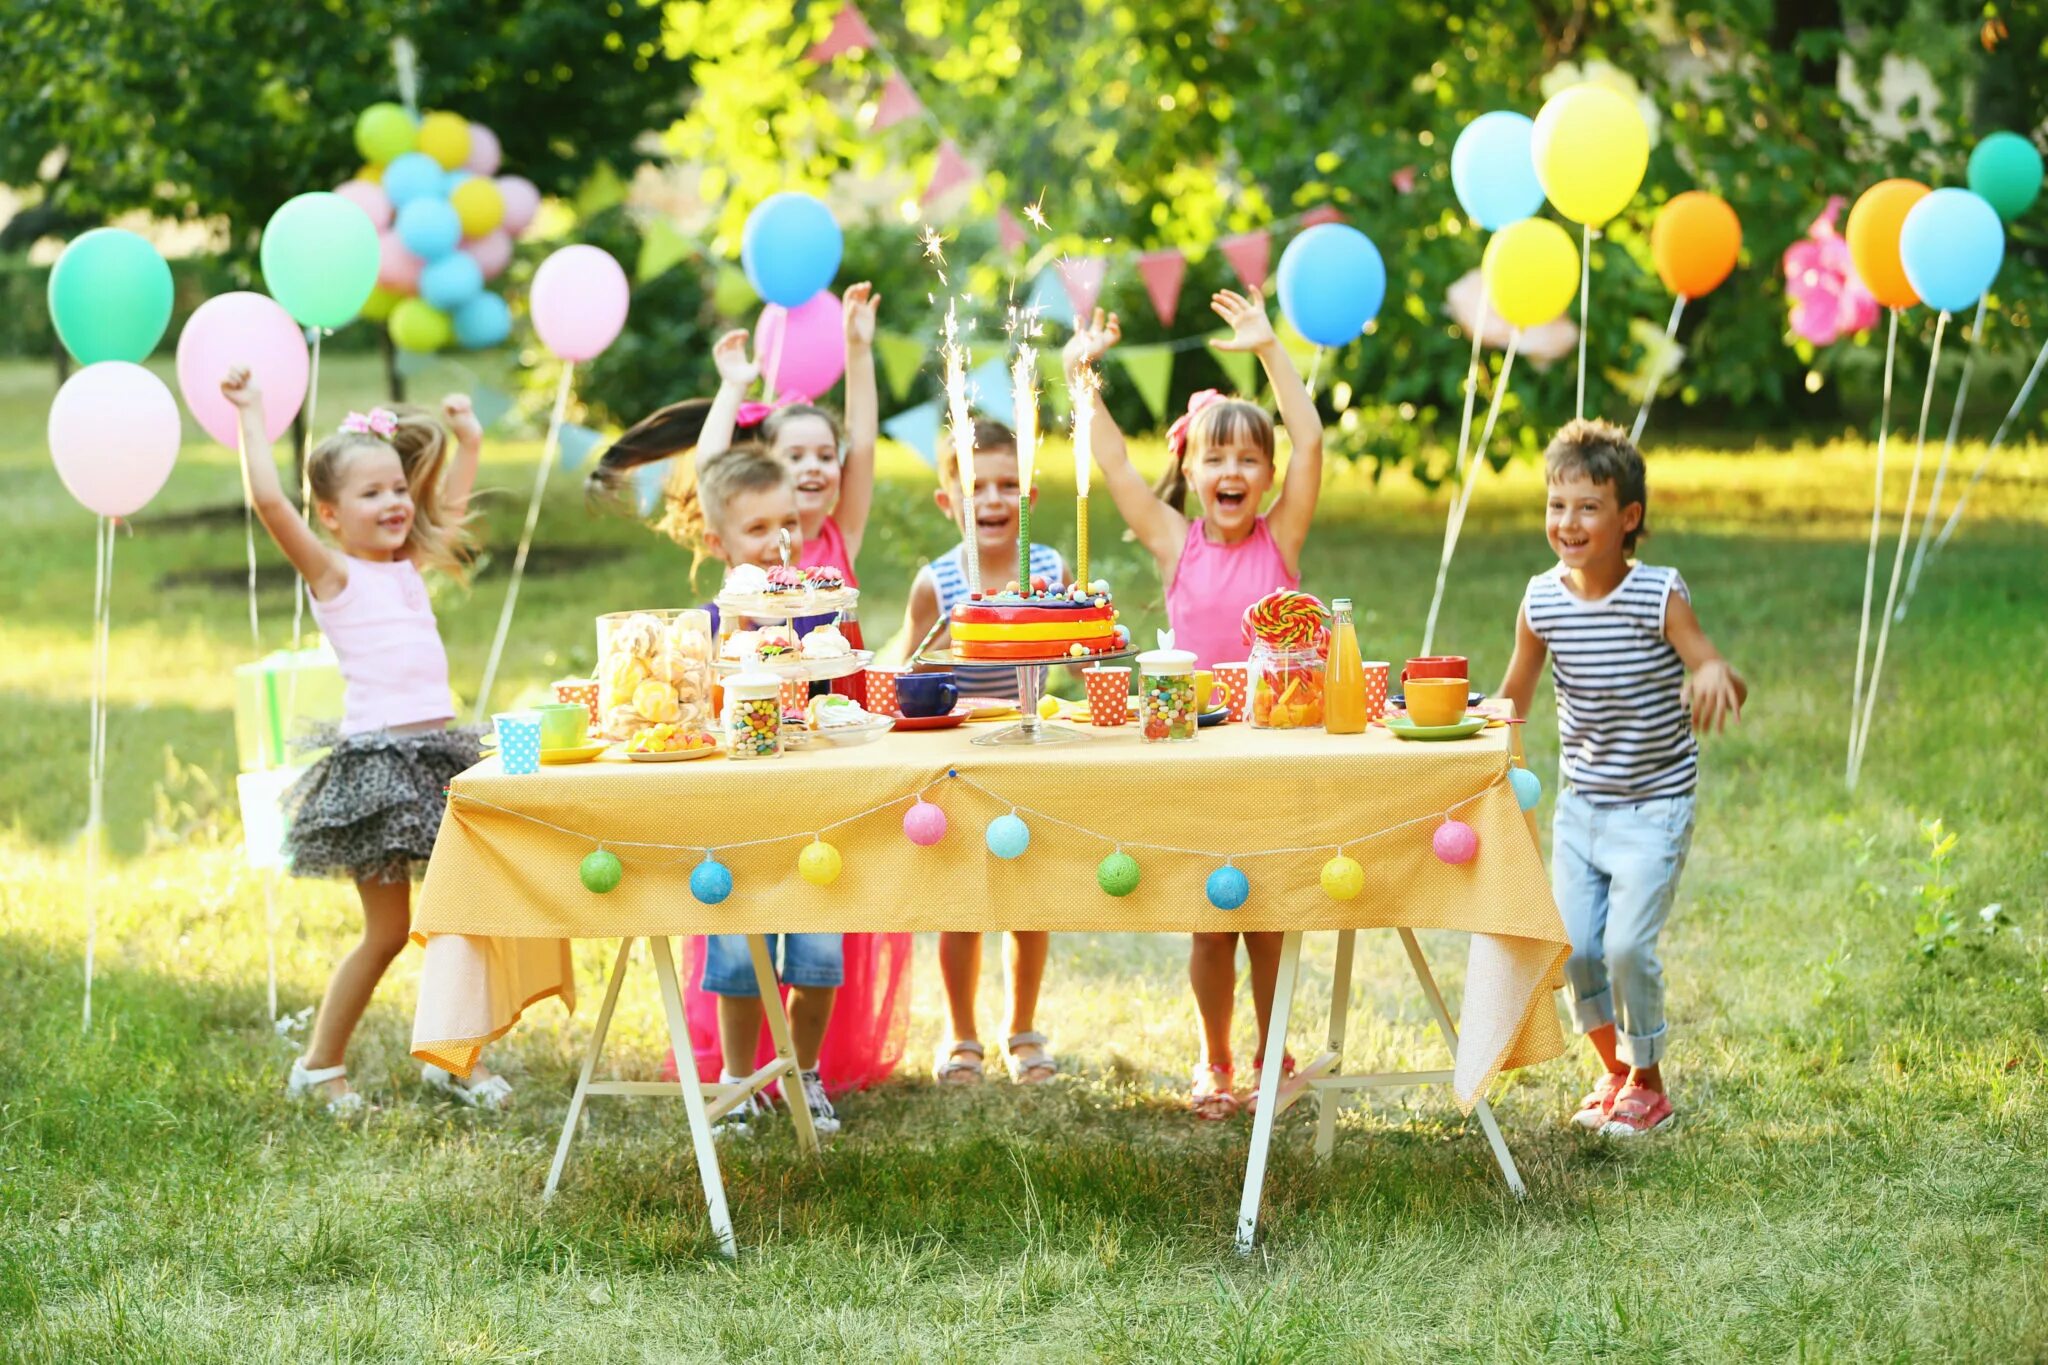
[[1030, 687]]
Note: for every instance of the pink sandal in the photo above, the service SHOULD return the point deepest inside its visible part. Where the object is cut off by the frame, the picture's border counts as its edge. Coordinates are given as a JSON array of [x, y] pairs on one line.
[[1211, 1097], [1638, 1110], [1287, 1086], [1598, 1107]]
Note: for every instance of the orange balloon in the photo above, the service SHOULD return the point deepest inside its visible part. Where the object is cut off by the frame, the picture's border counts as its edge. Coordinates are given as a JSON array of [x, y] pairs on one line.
[[1874, 227], [1695, 242]]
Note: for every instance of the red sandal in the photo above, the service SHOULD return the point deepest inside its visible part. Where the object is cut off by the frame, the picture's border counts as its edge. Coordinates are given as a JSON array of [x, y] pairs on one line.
[[1211, 1097], [1287, 1083], [1638, 1110]]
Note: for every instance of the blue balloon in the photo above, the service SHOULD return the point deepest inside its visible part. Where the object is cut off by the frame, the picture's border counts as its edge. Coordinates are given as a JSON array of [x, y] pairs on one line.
[[1493, 171], [414, 176], [456, 177], [483, 321], [1008, 836], [711, 881], [790, 248], [1332, 282], [1228, 888], [430, 228], [452, 281], [1952, 246], [1528, 787]]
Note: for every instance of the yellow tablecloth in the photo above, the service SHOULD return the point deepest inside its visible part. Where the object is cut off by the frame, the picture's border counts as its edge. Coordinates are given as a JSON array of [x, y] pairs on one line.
[[503, 891]]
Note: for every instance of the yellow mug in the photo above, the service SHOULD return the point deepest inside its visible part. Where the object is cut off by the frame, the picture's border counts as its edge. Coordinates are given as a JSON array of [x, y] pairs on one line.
[[1435, 701], [1205, 689]]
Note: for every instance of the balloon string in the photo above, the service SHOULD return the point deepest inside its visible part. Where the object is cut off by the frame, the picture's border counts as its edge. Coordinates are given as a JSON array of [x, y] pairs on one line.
[[1315, 371], [774, 370], [270, 934], [1461, 468], [249, 540], [1891, 595], [96, 747], [2011, 414], [1464, 498], [540, 483], [1884, 424], [1585, 304], [1657, 371], [1948, 446], [304, 594]]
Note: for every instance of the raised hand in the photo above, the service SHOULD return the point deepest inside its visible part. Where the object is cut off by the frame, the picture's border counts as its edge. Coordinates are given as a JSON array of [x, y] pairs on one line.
[[460, 415], [735, 366], [1092, 339], [239, 388], [859, 306], [1250, 328]]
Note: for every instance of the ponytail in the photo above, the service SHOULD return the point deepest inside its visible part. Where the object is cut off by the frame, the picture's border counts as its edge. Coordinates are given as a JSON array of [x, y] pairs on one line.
[[689, 506], [1172, 488]]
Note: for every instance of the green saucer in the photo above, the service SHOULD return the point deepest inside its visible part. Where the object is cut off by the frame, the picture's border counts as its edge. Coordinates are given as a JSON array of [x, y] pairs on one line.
[[1407, 729]]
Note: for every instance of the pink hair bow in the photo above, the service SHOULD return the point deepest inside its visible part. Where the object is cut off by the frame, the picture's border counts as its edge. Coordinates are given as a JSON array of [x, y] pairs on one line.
[[1177, 434], [376, 422], [752, 414]]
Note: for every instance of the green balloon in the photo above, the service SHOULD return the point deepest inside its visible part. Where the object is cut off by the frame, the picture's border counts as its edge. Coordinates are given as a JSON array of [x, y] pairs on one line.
[[319, 258], [2005, 171], [417, 325], [600, 871], [110, 297], [385, 132]]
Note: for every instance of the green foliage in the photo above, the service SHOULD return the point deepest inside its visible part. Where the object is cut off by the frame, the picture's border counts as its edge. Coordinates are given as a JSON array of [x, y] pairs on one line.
[[24, 295]]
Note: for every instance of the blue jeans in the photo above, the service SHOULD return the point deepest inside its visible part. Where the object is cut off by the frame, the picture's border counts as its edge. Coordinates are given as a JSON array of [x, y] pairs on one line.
[[1614, 870], [806, 960]]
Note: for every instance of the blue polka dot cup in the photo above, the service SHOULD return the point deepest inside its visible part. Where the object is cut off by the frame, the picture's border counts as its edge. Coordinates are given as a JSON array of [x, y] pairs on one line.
[[518, 741]]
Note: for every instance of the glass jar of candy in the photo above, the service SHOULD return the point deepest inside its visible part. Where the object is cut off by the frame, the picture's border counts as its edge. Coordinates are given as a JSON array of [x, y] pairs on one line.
[[1166, 695], [753, 716], [653, 668], [1286, 688]]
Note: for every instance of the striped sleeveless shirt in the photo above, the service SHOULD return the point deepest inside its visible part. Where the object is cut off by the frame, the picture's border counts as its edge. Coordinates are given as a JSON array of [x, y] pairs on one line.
[[949, 574], [1622, 728]]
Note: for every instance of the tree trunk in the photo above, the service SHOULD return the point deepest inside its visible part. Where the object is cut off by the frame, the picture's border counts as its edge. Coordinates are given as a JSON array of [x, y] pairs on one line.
[[393, 380]]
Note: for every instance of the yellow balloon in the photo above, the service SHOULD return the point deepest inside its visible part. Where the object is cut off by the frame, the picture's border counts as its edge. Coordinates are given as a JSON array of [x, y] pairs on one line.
[[819, 863], [445, 137], [377, 308], [1343, 878], [1590, 149], [1532, 271], [479, 205]]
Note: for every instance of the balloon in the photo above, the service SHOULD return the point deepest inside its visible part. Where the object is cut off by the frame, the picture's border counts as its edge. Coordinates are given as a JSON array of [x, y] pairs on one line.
[[377, 308], [452, 281], [417, 325], [1532, 272], [484, 151], [578, 302], [385, 132], [110, 296], [398, 270], [522, 201], [429, 228], [2006, 169], [1591, 149], [479, 205], [790, 248], [1951, 247], [1875, 222], [812, 342], [114, 436], [445, 137], [414, 176], [483, 321], [1492, 170], [253, 331], [320, 258], [1695, 242], [368, 196], [1331, 283], [492, 253]]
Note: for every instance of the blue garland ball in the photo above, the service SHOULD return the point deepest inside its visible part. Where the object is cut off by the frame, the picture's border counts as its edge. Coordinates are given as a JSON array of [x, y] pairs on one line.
[[1528, 787], [1228, 888], [711, 882], [1008, 836]]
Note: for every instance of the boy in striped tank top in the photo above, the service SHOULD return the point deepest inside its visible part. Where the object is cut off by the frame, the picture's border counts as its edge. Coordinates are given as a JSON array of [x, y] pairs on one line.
[[1621, 637]]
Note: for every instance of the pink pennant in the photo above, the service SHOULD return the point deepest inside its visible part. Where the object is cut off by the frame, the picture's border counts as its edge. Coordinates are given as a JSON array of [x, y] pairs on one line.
[[1316, 217], [850, 33], [898, 102], [949, 172], [1162, 271], [1082, 275], [1249, 255], [1009, 231]]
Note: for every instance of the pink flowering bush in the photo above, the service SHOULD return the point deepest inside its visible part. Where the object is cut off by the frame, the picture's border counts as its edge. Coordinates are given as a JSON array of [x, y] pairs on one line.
[[1828, 301]]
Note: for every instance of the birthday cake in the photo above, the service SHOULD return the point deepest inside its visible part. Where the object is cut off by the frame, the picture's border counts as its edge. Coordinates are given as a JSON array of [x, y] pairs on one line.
[[1044, 622]]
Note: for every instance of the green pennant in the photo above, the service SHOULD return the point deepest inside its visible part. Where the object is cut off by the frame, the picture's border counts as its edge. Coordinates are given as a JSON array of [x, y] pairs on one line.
[[601, 191], [1151, 372], [661, 250], [1243, 369], [902, 357], [1052, 382]]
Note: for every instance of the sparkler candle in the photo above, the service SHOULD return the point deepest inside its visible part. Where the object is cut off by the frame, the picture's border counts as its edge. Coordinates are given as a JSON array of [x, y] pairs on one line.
[[961, 421], [1081, 397], [1024, 393]]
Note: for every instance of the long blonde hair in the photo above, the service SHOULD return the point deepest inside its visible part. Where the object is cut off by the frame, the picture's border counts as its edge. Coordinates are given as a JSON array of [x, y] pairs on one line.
[[436, 540], [694, 500]]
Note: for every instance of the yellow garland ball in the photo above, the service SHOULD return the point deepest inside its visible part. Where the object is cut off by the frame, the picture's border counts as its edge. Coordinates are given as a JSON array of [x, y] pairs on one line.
[[1531, 270], [1343, 878], [819, 863], [479, 205], [445, 137]]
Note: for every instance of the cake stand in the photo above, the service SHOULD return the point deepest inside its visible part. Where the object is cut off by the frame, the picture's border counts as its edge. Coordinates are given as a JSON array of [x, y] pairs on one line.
[[766, 610], [1030, 687]]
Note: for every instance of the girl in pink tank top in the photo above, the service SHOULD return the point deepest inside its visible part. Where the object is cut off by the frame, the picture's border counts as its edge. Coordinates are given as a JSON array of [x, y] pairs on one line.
[[1215, 565], [392, 504]]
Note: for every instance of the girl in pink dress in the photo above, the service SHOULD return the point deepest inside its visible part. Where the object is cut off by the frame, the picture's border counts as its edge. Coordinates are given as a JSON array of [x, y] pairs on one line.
[[1215, 565]]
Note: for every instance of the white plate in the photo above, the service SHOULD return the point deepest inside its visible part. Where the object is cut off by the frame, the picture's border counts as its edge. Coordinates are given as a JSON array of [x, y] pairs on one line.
[[680, 756], [784, 606], [839, 736], [797, 669]]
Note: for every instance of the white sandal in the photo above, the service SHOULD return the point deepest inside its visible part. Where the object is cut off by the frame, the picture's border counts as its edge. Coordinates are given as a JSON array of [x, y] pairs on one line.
[[304, 1085], [493, 1094], [954, 1069], [1021, 1068]]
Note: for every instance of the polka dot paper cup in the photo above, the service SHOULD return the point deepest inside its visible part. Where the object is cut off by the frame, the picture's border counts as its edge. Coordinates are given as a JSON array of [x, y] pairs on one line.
[[518, 741], [1375, 691], [882, 692], [1109, 695], [1235, 682], [582, 690], [796, 694]]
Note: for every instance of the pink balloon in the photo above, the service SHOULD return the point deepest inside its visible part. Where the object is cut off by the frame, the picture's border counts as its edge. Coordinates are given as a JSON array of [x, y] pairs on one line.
[[484, 152], [492, 252], [398, 270], [114, 436], [802, 350], [579, 302], [522, 201], [250, 330], [370, 198]]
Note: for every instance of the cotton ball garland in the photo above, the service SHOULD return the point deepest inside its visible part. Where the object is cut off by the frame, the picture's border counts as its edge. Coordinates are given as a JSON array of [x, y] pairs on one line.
[[1228, 888], [1117, 874], [711, 881], [1455, 842], [819, 863], [924, 824], [1343, 878], [600, 871], [1528, 787], [1008, 836]]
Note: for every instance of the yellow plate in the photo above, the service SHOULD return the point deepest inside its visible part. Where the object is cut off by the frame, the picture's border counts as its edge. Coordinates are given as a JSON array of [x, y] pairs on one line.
[[582, 753]]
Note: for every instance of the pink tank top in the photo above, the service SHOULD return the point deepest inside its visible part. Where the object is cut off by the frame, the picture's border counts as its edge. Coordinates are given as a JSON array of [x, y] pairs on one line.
[[828, 551], [1214, 584], [382, 628]]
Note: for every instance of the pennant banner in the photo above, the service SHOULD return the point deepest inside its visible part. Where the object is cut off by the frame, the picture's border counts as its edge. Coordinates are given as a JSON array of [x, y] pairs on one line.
[[917, 428], [603, 190], [648, 482], [1316, 217], [949, 172], [1249, 255], [898, 102], [1151, 372], [1162, 272], [413, 364], [1082, 276], [988, 388], [575, 443], [849, 33], [661, 250], [1049, 297], [1009, 232], [1243, 369], [902, 357], [1052, 382]]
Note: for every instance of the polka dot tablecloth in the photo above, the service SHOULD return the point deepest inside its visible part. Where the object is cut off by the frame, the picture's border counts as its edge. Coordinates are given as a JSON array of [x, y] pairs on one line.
[[518, 741]]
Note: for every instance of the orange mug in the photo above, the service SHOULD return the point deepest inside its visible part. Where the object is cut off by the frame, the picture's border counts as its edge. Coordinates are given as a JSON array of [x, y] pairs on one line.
[[1436, 666], [1436, 701]]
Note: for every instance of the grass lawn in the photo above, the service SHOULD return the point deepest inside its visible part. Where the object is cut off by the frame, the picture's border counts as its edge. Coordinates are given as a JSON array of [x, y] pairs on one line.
[[1857, 1171]]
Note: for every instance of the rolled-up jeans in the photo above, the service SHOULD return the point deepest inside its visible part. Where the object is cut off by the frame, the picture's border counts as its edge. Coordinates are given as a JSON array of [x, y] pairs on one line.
[[1614, 870]]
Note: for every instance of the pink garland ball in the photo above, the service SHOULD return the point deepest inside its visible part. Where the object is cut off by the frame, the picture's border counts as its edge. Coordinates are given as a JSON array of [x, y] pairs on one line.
[[1455, 842], [924, 824]]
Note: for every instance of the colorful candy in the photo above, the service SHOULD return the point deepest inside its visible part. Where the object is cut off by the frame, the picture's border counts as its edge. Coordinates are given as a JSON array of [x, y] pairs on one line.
[[1285, 619], [1287, 688], [1167, 706], [754, 728]]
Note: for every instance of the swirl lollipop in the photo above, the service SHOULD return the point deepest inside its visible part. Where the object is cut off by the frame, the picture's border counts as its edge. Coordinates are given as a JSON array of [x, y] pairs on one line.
[[1284, 619]]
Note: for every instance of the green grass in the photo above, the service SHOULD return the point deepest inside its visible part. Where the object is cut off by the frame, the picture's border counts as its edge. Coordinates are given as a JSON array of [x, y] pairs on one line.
[[1857, 1173]]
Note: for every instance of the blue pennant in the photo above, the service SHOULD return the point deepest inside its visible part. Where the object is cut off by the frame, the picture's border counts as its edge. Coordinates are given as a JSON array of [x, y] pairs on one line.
[[575, 444], [917, 428]]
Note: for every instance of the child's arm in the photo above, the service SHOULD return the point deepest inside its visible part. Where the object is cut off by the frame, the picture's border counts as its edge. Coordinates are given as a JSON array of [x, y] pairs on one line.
[[1295, 508], [318, 565], [1525, 669], [1159, 528], [469, 448], [918, 615], [857, 476], [1715, 691], [736, 376]]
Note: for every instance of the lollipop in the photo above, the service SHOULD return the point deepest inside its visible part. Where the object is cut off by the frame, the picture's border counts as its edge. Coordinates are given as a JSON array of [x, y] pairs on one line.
[[1284, 619]]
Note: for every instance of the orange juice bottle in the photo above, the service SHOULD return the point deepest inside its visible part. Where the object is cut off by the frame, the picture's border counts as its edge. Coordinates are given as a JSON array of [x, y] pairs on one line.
[[1344, 684]]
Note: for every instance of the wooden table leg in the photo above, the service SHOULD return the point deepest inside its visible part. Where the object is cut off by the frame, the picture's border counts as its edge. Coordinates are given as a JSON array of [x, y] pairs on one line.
[[1269, 1092], [785, 1049], [693, 1097], [1450, 1031], [590, 1056], [1328, 1102]]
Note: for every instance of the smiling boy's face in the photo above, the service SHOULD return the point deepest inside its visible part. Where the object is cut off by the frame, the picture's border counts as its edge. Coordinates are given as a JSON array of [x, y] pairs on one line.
[[1586, 524]]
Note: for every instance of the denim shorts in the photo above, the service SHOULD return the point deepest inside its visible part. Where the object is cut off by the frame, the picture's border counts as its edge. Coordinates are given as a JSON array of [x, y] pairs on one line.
[[802, 960]]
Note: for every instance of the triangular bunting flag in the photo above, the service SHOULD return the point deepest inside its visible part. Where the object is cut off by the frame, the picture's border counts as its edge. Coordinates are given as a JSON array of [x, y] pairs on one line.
[[603, 190], [490, 404], [1009, 231], [413, 364], [898, 103], [1299, 348], [1082, 276], [1243, 369], [662, 249], [1052, 382], [1151, 372], [902, 357], [575, 444], [1325, 213], [850, 33], [1049, 297], [1249, 254], [917, 428], [988, 388], [1162, 272], [648, 482], [949, 172]]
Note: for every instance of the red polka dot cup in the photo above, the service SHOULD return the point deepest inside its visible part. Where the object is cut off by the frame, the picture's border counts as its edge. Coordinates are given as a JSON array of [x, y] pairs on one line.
[[882, 692], [796, 694], [1109, 695], [1235, 681], [582, 690]]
